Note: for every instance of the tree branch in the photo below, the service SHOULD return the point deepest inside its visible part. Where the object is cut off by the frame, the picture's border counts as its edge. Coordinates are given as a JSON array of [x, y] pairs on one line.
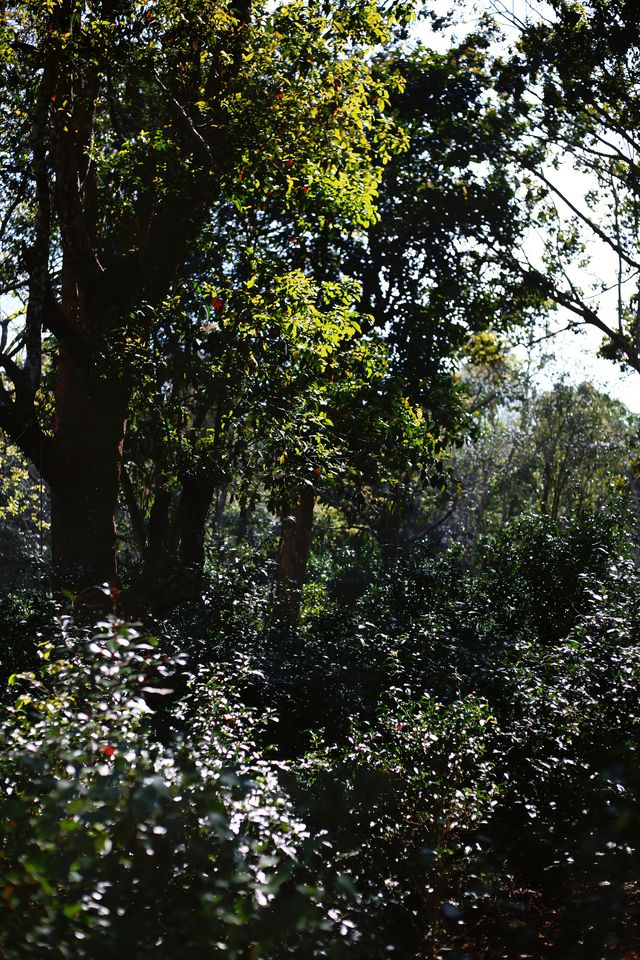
[[586, 220], [37, 257], [577, 306], [19, 420], [136, 515]]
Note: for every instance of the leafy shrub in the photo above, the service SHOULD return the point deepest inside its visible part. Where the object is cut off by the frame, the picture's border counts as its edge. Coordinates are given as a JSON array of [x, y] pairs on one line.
[[117, 843], [26, 619], [228, 616], [465, 765], [562, 683], [569, 741], [403, 799], [534, 571]]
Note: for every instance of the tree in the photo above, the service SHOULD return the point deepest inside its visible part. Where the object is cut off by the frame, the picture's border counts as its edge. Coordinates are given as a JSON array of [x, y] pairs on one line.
[[438, 265], [564, 452], [127, 127], [574, 76], [282, 398], [428, 273], [23, 513]]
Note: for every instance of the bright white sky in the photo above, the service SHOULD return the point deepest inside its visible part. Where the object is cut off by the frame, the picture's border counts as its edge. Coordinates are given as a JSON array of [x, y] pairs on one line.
[[575, 357]]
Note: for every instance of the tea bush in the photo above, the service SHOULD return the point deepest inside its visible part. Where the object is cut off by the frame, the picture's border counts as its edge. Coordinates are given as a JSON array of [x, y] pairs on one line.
[[403, 799], [433, 769], [26, 619], [117, 843]]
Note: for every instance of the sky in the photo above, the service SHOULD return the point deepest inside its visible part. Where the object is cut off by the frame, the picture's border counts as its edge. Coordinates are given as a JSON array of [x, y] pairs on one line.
[[575, 358], [577, 353]]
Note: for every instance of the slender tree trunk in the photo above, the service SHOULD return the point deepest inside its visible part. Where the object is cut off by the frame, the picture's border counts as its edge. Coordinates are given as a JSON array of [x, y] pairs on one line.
[[294, 555], [242, 525], [389, 531], [136, 516], [89, 428], [221, 505]]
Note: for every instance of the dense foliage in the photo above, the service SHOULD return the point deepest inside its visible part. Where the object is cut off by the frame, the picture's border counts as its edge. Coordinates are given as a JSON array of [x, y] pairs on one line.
[[444, 763], [320, 615]]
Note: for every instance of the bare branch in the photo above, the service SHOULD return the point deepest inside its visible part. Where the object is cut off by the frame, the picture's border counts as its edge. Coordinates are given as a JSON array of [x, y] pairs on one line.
[[635, 264], [550, 334], [576, 305]]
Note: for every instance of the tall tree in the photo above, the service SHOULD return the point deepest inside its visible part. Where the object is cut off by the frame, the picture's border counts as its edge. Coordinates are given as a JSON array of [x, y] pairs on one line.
[[574, 76], [281, 397], [561, 452], [439, 263], [430, 270], [125, 124]]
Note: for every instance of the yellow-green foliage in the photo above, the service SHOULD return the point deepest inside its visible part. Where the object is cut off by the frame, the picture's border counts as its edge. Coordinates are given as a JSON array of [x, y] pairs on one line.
[[20, 494]]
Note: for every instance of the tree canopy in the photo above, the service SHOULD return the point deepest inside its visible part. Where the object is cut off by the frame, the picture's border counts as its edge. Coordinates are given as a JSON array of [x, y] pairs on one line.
[[129, 129]]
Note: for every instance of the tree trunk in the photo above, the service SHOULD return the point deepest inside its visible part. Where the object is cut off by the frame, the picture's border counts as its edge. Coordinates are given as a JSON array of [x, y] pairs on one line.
[[195, 502], [174, 549], [294, 555], [89, 428], [389, 531], [159, 558], [221, 505]]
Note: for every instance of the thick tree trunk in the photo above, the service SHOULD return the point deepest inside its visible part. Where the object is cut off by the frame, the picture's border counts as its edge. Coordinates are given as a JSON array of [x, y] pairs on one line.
[[195, 503], [159, 557], [89, 428], [175, 543], [294, 555]]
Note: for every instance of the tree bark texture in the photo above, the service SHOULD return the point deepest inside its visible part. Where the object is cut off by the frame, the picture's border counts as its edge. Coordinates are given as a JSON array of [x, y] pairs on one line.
[[89, 429], [193, 510], [295, 548]]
